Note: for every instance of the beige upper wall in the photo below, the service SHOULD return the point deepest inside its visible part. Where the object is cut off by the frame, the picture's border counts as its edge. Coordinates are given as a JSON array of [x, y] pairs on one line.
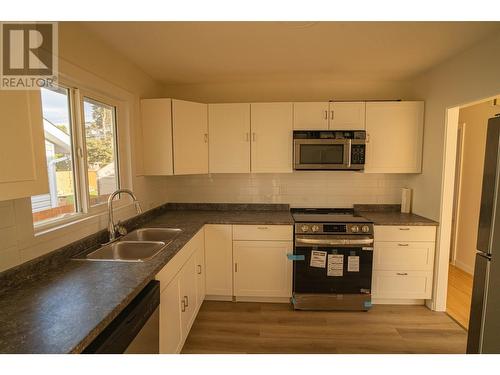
[[475, 121], [468, 77], [299, 89]]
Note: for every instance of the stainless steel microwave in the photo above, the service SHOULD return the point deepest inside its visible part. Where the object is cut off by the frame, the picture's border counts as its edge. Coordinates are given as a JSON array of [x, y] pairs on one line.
[[329, 150]]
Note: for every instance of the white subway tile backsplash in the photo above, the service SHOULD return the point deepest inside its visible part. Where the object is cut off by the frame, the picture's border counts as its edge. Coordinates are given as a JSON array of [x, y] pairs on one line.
[[312, 189]]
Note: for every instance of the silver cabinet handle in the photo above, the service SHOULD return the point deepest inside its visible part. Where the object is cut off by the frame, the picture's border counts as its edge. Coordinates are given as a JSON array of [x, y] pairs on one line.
[[331, 114], [236, 267], [199, 269], [403, 244], [183, 306], [253, 136], [262, 227], [404, 228], [367, 140], [206, 137], [402, 273], [326, 115], [186, 301]]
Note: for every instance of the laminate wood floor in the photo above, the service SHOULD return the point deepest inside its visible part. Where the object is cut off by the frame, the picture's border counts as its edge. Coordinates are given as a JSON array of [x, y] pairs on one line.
[[227, 327], [459, 295]]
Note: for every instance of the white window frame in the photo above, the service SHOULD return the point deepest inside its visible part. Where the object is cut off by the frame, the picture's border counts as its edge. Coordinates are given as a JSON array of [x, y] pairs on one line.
[[77, 93]]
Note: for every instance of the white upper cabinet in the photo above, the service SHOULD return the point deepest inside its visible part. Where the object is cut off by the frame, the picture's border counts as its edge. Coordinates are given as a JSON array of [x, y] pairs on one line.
[[310, 116], [156, 116], [23, 169], [272, 126], [190, 135], [394, 137], [347, 115], [229, 138]]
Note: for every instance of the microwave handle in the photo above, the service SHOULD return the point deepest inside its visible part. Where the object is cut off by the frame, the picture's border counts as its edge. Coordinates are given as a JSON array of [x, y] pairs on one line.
[[349, 146]]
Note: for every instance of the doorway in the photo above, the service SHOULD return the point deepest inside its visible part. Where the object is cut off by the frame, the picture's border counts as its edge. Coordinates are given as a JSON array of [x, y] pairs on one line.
[[470, 148]]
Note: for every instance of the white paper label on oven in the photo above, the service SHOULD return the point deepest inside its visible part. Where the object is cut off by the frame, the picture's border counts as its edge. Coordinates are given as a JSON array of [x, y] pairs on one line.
[[318, 259], [353, 263], [335, 265]]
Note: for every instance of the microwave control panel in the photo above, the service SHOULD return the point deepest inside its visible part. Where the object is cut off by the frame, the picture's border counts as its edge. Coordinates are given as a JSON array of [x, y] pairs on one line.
[[358, 154]]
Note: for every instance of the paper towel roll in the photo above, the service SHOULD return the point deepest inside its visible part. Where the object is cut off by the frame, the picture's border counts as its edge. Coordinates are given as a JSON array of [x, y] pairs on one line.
[[406, 195]]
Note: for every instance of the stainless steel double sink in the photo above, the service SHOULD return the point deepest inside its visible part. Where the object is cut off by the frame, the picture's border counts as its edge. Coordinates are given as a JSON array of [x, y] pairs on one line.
[[137, 246]]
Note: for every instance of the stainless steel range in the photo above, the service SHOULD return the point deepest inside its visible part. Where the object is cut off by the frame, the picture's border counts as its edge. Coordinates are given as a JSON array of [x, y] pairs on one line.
[[333, 256]]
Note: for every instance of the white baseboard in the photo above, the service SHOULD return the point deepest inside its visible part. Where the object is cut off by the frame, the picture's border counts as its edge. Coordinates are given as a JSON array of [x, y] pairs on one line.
[[263, 299], [397, 301], [213, 297], [464, 267]]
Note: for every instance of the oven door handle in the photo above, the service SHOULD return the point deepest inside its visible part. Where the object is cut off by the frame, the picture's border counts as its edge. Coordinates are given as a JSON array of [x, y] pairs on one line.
[[331, 242]]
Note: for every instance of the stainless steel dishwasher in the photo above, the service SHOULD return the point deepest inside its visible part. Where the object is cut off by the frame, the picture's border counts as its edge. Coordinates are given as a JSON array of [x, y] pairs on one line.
[[136, 330]]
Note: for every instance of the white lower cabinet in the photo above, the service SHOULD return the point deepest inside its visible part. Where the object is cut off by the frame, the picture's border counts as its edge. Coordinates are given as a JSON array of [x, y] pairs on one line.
[[403, 263], [170, 319], [187, 294], [199, 257], [261, 268], [219, 261]]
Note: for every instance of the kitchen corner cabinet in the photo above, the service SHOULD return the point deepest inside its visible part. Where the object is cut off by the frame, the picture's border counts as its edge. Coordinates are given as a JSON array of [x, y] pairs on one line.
[[229, 138], [394, 137], [219, 261], [156, 120], [23, 169], [329, 116], [190, 137], [271, 138], [403, 263]]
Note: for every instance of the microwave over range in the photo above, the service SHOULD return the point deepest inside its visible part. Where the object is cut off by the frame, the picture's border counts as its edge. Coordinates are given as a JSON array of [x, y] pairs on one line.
[[329, 150]]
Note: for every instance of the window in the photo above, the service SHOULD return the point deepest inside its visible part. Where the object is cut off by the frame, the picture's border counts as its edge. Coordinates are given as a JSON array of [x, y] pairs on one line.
[[76, 187]]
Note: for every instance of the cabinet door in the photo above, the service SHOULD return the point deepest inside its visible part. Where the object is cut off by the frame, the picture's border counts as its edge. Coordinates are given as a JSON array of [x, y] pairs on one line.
[[310, 116], [229, 141], [402, 284], [403, 256], [219, 260], [190, 132], [156, 115], [187, 288], [394, 137], [261, 268], [170, 319], [199, 257], [347, 115], [23, 169], [271, 137]]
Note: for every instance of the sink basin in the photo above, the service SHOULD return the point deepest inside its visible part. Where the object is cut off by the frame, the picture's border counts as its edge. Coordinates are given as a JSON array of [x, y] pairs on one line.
[[127, 251], [166, 235]]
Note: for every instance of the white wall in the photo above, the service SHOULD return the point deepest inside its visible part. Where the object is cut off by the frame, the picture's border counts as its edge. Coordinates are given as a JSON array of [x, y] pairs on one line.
[[88, 59], [305, 189], [475, 120], [465, 78]]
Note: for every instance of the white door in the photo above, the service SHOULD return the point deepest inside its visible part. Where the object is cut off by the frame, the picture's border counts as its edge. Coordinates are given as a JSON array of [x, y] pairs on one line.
[[156, 116], [347, 115], [199, 257], [272, 127], [187, 288], [23, 168], [229, 141], [190, 133], [310, 116], [394, 137], [170, 319], [261, 268], [219, 260]]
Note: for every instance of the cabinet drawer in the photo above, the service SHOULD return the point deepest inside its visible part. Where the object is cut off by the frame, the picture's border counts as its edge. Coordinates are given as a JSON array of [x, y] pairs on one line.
[[405, 233], [402, 284], [263, 232], [416, 256]]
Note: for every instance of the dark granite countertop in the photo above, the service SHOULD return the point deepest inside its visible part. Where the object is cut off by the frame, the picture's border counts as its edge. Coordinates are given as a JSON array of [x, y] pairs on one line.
[[390, 214], [63, 308]]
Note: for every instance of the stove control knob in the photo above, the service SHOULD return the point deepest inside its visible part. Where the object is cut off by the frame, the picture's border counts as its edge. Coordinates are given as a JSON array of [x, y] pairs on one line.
[[365, 228], [304, 228], [354, 229], [315, 228]]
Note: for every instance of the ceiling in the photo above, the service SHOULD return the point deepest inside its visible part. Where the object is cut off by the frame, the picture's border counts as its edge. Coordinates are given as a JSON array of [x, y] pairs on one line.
[[220, 52]]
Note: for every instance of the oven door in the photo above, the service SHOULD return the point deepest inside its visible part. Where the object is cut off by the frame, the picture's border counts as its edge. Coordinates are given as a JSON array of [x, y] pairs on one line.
[[333, 265], [322, 154]]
